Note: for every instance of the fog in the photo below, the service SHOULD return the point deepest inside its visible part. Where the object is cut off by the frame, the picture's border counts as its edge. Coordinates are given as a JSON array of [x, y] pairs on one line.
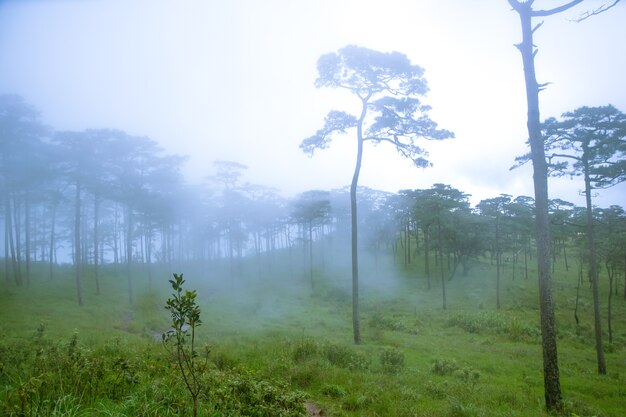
[[235, 81], [168, 134]]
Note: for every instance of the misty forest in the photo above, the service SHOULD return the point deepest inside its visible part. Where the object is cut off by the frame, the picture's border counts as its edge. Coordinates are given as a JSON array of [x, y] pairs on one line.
[[127, 290]]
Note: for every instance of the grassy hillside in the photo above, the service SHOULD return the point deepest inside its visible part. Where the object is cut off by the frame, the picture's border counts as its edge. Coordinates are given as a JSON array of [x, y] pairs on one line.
[[278, 342]]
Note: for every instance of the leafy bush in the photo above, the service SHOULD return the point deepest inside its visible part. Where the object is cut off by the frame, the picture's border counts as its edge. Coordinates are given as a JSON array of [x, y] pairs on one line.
[[333, 391], [345, 357], [444, 367], [451, 367], [492, 322], [242, 394], [380, 321], [392, 360]]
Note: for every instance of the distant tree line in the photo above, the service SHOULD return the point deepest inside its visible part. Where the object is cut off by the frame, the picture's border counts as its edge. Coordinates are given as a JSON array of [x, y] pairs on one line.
[[104, 196]]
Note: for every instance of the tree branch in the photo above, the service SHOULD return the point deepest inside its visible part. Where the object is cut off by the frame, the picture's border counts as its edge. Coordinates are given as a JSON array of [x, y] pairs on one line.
[[556, 9], [597, 11]]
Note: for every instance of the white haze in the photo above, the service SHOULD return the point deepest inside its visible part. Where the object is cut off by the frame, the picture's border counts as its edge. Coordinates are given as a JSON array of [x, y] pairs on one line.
[[233, 80]]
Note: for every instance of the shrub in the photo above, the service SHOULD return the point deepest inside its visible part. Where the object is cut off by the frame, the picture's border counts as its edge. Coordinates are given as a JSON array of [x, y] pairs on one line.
[[333, 391], [345, 357], [392, 360], [444, 367]]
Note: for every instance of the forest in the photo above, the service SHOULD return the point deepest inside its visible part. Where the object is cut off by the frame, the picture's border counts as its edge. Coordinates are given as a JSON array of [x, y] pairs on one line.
[[127, 289], [96, 222]]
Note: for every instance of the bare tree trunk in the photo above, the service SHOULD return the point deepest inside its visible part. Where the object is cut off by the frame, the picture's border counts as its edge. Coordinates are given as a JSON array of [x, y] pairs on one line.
[[17, 225], [611, 272], [96, 237], [11, 242], [6, 248], [427, 254], [311, 252], [77, 248], [552, 385], [27, 237], [356, 325], [593, 272], [440, 251], [52, 239], [129, 252]]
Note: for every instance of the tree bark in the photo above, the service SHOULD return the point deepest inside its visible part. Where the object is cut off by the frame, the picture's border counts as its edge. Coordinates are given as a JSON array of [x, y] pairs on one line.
[[427, 254], [552, 385], [593, 269], [356, 325], [440, 251], [129, 252], [96, 237], [77, 248]]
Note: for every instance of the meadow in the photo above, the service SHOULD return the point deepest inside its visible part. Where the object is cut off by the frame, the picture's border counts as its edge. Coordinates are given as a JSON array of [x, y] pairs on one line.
[[279, 345]]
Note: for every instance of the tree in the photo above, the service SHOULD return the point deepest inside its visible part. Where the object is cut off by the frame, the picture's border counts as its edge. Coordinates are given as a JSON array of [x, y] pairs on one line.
[[23, 166], [309, 208], [388, 88], [552, 385], [496, 209], [440, 202], [594, 138]]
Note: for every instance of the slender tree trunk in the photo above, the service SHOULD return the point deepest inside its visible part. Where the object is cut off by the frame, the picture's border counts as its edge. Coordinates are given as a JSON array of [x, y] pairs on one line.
[[552, 385], [611, 272], [427, 254], [9, 226], [77, 246], [311, 252], [593, 270], [27, 237], [52, 239], [17, 225], [407, 234], [443, 280], [580, 280], [129, 252], [7, 230], [96, 241], [356, 324], [498, 261]]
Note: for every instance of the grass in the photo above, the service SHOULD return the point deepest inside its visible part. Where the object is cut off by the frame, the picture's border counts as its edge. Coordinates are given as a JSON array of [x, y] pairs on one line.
[[276, 341]]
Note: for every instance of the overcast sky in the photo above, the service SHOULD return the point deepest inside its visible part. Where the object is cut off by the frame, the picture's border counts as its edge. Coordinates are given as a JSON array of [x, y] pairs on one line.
[[234, 80]]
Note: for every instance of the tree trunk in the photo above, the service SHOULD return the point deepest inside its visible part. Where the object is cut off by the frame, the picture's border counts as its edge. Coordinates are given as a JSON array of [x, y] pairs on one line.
[[593, 270], [52, 240], [27, 237], [96, 237], [427, 254], [611, 272], [77, 248], [356, 325], [6, 248], [17, 225], [129, 252], [498, 261], [440, 251], [552, 385], [311, 252]]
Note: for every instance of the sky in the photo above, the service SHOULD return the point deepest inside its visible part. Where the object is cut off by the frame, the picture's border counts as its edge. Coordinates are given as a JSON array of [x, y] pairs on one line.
[[234, 80]]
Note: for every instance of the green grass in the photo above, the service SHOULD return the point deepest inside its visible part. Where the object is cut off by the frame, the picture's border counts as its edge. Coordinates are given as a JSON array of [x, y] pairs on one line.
[[275, 340]]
